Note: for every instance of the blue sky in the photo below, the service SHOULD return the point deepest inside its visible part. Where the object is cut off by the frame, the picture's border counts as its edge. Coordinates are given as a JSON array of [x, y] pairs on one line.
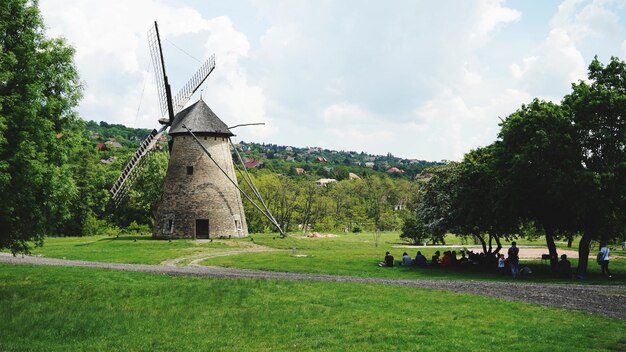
[[419, 79]]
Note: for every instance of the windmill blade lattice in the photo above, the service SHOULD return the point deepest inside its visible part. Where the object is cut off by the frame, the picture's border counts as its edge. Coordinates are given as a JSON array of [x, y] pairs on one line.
[[130, 170], [193, 84], [157, 62]]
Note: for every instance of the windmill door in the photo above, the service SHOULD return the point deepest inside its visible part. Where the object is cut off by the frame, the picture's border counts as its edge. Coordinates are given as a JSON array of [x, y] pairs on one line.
[[202, 228]]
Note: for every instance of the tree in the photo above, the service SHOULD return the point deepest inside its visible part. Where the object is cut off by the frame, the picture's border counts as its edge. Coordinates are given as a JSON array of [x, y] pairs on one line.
[[435, 207], [414, 231], [538, 164], [39, 87], [476, 200], [597, 111]]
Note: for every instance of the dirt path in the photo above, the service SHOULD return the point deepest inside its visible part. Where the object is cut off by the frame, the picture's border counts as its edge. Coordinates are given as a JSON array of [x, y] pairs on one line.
[[196, 258], [603, 300]]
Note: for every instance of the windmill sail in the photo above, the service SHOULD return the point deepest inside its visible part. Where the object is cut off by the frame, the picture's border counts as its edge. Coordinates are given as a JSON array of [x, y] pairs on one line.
[[168, 108], [163, 86], [193, 84], [130, 170]]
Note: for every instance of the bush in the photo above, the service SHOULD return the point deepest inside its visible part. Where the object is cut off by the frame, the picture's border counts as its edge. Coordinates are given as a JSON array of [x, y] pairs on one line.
[[96, 227], [414, 231]]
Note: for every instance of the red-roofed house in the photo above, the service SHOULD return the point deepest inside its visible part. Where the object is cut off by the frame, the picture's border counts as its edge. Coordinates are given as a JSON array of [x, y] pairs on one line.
[[395, 170], [253, 163]]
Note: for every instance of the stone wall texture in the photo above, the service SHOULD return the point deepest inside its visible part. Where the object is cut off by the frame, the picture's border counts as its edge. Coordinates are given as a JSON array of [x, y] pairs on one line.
[[188, 201]]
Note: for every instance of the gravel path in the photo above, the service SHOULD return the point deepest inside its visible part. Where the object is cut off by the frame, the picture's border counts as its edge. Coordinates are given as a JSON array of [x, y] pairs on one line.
[[603, 300]]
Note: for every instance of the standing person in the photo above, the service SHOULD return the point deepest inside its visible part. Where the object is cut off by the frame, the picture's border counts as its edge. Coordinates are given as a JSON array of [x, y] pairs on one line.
[[604, 259], [514, 259]]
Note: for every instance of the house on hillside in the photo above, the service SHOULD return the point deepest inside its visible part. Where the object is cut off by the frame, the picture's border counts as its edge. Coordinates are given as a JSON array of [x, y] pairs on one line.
[[353, 176], [299, 171], [253, 163], [313, 150], [101, 147], [321, 159], [325, 181], [423, 176], [113, 144], [290, 158], [395, 170], [109, 160], [370, 164]]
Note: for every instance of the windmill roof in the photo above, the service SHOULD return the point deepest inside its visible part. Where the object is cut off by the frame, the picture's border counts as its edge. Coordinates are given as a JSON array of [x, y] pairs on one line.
[[199, 118]]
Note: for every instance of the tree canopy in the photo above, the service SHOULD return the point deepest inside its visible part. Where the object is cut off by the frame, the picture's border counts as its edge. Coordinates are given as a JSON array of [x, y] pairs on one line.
[[39, 87]]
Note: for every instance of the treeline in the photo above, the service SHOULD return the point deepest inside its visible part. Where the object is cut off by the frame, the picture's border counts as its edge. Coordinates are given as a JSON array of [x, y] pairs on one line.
[[556, 169], [351, 205]]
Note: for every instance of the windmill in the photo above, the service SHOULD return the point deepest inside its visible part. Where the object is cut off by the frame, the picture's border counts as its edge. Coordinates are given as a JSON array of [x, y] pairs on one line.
[[201, 197]]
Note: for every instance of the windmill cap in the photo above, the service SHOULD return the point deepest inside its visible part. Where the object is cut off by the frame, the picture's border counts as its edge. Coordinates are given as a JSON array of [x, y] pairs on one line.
[[200, 119]]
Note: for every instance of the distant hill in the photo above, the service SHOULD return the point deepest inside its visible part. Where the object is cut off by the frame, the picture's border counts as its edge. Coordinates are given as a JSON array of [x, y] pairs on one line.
[[329, 163], [287, 160]]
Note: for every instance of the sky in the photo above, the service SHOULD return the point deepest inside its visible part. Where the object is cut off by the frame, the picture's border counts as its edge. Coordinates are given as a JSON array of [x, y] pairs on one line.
[[425, 80]]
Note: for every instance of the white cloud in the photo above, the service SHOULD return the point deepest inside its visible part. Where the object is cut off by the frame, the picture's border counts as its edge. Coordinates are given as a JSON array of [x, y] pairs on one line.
[[582, 20], [550, 72], [418, 79], [492, 14], [113, 59]]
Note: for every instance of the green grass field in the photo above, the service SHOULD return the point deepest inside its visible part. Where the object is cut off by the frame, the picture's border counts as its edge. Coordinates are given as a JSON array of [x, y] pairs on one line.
[[345, 254], [81, 309]]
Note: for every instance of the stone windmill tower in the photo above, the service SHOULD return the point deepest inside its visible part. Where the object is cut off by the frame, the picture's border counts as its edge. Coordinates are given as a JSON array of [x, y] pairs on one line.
[[200, 198]]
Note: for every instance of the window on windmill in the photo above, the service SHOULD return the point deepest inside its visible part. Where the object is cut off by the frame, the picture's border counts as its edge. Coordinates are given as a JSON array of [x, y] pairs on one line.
[[237, 226], [170, 225], [189, 170]]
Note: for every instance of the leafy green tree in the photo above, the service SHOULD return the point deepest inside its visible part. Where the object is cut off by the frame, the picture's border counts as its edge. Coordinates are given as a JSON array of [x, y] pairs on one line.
[[39, 87], [435, 208], [476, 200], [143, 196], [414, 231], [539, 162], [597, 110]]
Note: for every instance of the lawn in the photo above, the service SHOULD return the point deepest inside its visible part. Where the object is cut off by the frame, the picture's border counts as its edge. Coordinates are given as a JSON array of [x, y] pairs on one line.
[[345, 254], [78, 309]]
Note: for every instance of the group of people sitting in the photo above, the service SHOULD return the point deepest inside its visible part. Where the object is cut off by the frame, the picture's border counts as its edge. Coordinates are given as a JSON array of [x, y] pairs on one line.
[[450, 259]]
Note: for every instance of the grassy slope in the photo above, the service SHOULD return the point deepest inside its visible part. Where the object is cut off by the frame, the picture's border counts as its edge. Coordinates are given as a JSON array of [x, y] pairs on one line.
[[73, 309]]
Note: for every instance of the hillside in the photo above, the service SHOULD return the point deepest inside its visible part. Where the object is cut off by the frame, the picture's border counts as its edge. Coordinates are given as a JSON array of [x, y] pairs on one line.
[[286, 160]]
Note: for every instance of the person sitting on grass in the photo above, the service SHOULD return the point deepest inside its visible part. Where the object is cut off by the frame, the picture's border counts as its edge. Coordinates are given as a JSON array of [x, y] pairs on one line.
[[463, 261], [434, 261], [388, 261], [501, 264], [406, 259], [420, 260], [446, 261], [564, 267], [455, 261]]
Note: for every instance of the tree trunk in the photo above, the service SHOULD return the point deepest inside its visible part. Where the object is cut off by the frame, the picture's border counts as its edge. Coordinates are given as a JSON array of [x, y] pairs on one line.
[[554, 256], [570, 239], [583, 252], [498, 244], [482, 242], [490, 241]]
